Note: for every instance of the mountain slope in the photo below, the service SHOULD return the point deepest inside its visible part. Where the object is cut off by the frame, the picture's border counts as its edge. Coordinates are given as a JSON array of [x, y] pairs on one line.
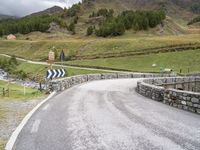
[[49, 11], [174, 8], [2, 17]]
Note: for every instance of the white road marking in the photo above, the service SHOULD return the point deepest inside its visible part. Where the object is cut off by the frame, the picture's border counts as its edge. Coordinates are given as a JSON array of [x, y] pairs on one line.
[[45, 107], [13, 138], [35, 126]]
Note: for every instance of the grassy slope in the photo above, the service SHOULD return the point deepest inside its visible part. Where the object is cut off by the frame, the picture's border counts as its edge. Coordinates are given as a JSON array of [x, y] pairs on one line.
[[39, 49], [173, 60], [17, 92], [40, 70]]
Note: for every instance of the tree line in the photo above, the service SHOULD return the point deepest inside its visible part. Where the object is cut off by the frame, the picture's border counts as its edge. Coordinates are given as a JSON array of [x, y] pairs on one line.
[[26, 25], [102, 12], [195, 8], [136, 20]]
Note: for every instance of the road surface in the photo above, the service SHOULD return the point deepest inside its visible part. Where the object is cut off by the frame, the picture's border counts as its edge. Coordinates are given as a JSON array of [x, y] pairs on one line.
[[109, 115]]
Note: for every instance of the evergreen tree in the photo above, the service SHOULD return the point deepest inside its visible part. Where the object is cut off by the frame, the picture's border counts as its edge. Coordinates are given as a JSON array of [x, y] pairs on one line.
[[89, 30]]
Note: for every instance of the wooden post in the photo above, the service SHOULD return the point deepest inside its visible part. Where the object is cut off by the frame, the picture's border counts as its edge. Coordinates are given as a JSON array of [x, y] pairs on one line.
[[8, 92], [3, 92], [24, 90]]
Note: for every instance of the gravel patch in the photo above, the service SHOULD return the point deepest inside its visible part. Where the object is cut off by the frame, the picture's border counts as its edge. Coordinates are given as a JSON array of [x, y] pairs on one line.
[[15, 111]]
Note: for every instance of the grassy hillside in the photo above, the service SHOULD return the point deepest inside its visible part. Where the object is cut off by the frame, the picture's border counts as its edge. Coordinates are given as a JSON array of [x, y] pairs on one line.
[[17, 92], [38, 49], [175, 60]]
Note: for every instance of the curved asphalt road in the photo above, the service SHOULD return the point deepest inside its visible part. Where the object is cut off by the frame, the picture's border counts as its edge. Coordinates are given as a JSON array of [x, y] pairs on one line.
[[109, 115]]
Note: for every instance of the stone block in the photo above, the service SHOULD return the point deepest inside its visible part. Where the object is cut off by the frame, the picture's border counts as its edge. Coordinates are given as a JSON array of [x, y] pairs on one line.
[[92, 77], [189, 103], [188, 98], [183, 102], [180, 106], [198, 111], [124, 75], [194, 100], [185, 107], [191, 109]]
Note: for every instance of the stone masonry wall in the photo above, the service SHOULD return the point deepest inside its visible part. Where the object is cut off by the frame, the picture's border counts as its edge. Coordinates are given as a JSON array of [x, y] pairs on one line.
[[152, 88], [65, 83]]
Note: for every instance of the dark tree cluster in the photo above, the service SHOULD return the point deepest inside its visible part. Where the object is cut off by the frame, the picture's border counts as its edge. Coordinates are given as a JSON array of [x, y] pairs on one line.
[[111, 27], [137, 20], [195, 20], [195, 8], [26, 25], [71, 12], [71, 28], [102, 12], [90, 30]]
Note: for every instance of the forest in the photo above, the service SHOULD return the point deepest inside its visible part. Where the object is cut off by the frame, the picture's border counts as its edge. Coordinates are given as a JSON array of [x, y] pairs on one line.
[[136, 20]]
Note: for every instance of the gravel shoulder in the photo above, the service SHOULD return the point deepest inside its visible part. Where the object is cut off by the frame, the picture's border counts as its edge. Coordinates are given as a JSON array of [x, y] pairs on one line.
[[11, 114]]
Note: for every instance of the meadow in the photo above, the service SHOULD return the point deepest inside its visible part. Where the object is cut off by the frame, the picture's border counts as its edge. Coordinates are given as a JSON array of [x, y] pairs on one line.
[[37, 49], [186, 61]]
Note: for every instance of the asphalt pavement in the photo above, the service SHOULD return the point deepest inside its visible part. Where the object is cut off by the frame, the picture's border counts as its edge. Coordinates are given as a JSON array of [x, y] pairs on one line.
[[109, 115]]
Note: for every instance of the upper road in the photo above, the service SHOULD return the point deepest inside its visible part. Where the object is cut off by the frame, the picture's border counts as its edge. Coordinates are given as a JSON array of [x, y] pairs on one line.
[[108, 115]]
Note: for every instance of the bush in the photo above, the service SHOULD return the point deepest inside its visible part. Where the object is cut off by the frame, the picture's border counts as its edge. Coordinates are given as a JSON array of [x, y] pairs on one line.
[[195, 20], [195, 8], [89, 30], [71, 28]]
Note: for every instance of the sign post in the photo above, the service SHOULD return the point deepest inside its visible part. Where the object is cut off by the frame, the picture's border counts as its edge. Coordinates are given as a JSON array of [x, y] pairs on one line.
[[24, 89], [51, 58], [62, 57]]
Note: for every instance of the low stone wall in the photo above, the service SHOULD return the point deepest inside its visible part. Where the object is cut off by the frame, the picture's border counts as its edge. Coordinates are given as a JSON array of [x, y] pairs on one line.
[[65, 83], [153, 88]]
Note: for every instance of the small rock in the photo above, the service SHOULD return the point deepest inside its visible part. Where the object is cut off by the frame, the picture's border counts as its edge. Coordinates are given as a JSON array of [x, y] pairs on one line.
[[188, 98], [183, 102], [198, 111]]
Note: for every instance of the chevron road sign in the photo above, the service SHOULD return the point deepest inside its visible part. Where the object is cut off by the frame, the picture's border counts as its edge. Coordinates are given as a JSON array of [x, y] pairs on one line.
[[55, 73]]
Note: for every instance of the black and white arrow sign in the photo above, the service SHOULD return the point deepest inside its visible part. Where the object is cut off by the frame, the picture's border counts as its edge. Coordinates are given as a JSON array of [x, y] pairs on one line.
[[55, 73]]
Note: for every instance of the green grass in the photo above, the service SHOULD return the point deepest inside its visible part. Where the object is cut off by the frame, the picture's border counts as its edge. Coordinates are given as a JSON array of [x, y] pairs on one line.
[[38, 49], [174, 60], [17, 92], [40, 70]]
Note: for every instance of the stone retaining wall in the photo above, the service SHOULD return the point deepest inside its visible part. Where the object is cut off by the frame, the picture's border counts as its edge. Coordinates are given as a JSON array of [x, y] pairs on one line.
[[152, 88], [65, 83]]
